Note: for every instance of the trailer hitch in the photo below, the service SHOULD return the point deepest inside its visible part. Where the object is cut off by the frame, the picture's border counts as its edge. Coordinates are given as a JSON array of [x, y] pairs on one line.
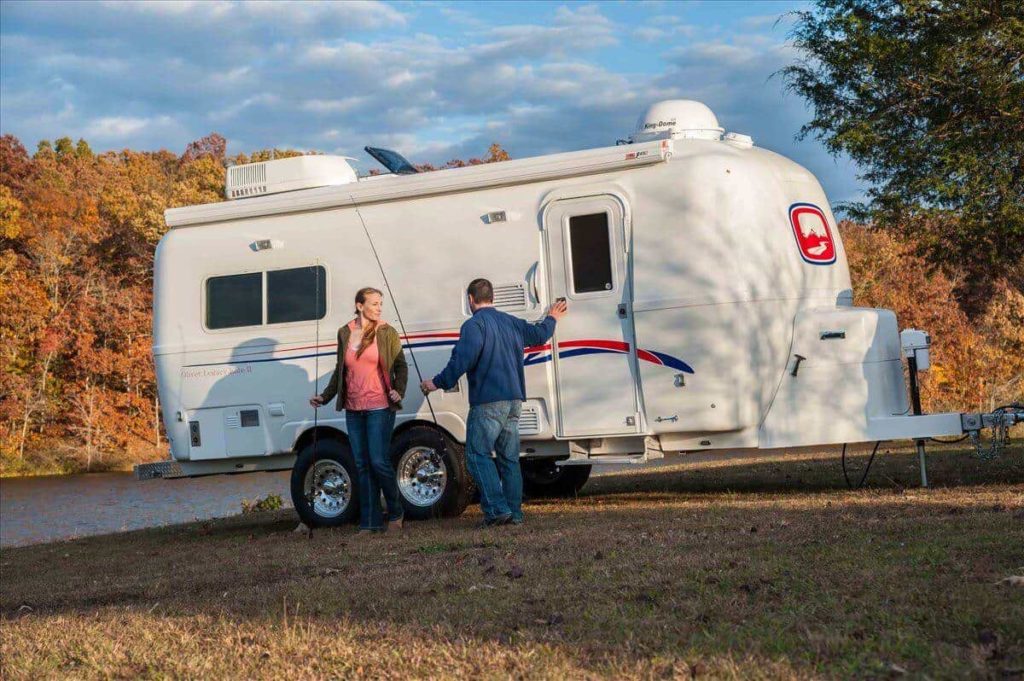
[[999, 421]]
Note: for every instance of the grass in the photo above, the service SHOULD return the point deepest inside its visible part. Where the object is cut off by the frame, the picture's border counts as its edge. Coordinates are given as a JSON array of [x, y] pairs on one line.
[[766, 568]]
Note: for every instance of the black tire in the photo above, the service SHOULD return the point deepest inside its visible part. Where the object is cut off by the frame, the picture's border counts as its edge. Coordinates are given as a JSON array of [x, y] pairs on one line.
[[542, 478], [333, 463], [423, 452]]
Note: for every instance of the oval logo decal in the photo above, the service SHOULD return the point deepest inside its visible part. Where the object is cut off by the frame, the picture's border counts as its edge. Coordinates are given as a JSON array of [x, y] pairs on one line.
[[813, 235]]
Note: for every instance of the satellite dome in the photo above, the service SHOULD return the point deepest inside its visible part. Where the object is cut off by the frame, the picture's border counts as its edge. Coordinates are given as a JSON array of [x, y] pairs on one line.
[[678, 119]]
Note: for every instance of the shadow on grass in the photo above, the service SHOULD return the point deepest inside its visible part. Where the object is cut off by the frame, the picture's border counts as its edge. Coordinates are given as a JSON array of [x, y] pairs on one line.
[[771, 561], [893, 468]]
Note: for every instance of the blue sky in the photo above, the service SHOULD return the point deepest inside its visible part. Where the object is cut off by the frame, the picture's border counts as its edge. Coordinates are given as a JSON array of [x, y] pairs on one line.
[[434, 81]]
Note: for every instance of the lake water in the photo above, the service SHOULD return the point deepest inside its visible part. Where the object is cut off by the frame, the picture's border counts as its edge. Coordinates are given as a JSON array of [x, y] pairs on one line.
[[43, 509], [50, 508]]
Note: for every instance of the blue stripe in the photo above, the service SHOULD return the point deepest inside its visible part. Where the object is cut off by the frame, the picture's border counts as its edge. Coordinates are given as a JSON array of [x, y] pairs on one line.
[[430, 344], [256, 361], [670, 361], [322, 354]]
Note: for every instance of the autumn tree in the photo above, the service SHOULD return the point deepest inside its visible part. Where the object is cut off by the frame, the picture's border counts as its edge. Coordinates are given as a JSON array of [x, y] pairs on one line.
[[928, 98]]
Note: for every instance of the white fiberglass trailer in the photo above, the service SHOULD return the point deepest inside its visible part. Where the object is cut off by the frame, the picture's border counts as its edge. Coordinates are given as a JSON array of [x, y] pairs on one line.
[[710, 308]]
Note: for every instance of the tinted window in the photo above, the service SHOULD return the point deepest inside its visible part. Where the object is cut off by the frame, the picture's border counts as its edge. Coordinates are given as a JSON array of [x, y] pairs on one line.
[[591, 253], [296, 295], [236, 300]]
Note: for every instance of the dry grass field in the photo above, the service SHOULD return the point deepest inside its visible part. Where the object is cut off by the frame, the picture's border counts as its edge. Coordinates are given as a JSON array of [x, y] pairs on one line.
[[768, 568]]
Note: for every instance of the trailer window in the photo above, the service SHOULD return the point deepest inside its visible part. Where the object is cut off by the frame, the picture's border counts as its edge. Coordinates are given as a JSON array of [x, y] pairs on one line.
[[296, 295], [590, 249], [234, 300]]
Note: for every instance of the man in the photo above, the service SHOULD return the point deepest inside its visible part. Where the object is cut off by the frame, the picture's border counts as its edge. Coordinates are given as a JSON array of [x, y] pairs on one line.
[[490, 350]]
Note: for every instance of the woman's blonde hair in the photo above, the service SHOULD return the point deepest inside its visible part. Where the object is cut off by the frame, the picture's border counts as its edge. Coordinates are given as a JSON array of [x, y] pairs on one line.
[[370, 330]]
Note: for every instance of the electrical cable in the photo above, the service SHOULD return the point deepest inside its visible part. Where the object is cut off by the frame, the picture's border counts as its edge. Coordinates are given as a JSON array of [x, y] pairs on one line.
[[866, 468], [950, 442], [435, 510], [316, 354], [394, 302]]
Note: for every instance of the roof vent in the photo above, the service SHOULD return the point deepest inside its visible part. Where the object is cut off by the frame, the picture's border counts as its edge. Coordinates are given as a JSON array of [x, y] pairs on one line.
[[286, 175], [677, 119], [739, 140]]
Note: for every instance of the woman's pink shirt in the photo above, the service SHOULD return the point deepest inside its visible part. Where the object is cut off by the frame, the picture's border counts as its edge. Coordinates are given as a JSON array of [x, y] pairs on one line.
[[364, 390]]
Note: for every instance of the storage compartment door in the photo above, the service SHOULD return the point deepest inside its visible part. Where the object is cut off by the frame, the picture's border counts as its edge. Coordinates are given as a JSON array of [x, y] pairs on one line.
[[227, 432]]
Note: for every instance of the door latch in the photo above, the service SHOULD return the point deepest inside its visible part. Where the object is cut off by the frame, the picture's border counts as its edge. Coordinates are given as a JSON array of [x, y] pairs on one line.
[[622, 311], [796, 364]]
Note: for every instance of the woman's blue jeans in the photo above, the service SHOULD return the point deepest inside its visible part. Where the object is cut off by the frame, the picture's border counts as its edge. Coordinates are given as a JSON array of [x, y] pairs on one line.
[[369, 435]]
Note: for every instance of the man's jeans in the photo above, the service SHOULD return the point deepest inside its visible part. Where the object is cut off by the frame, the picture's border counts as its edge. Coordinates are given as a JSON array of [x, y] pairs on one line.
[[494, 427], [369, 435]]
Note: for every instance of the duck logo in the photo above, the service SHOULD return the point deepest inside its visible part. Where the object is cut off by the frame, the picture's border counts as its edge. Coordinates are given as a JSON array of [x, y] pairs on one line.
[[813, 235]]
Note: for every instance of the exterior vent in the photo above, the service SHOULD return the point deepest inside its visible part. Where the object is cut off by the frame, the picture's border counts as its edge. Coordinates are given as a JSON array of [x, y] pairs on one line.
[[232, 421], [287, 174], [529, 421], [247, 180], [510, 296]]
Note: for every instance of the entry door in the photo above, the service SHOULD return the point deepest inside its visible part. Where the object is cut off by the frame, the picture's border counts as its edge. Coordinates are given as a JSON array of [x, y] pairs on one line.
[[593, 350]]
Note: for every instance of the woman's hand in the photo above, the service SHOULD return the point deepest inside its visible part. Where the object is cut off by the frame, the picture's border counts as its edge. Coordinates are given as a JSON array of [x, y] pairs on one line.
[[395, 396], [316, 401]]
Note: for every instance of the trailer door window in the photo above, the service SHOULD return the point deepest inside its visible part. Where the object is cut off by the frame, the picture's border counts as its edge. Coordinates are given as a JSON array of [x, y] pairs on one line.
[[234, 300], [296, 295], [590, 251]]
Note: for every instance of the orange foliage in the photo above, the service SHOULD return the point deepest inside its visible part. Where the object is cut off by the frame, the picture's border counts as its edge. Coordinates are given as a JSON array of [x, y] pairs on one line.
[[77, 232], [976, 363]]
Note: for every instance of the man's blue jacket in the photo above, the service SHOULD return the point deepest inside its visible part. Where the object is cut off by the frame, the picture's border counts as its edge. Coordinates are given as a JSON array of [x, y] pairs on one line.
[[490, 350]]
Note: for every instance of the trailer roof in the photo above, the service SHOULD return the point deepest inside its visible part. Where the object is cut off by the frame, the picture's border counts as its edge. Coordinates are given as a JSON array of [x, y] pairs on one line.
[[424, 184]]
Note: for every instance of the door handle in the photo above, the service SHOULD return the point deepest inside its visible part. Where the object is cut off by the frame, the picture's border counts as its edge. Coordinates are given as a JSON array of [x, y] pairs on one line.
[[796, 365], [622, 311]]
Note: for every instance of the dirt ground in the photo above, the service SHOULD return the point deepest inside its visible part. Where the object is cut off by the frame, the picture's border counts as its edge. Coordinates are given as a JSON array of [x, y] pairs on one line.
[[768, 568]]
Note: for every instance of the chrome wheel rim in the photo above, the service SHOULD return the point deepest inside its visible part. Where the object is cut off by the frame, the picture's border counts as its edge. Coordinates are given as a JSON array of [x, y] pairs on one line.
[[422, 476], [328, 488]]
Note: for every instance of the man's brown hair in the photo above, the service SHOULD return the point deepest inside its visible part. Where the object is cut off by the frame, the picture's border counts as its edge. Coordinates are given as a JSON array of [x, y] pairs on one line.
[[481, 291]]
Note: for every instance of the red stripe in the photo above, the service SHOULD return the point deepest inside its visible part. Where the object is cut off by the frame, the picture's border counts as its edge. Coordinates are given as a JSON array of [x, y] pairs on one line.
[[432, 335], [593, 343], [648, 356], [303, 347]]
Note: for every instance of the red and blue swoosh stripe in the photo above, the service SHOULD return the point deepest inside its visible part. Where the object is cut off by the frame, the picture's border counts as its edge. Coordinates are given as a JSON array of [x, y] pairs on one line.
[[533, 355], [594, 346]]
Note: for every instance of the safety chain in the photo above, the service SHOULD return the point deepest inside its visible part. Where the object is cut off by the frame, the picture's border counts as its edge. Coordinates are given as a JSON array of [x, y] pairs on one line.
[[1001, 420]]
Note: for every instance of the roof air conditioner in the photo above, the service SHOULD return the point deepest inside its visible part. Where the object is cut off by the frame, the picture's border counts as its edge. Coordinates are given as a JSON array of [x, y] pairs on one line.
[[286, 175]]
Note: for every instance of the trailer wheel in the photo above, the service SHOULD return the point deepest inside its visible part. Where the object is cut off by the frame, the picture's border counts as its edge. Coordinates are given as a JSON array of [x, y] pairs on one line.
[[431, 470], [542, 478], [325, 491]]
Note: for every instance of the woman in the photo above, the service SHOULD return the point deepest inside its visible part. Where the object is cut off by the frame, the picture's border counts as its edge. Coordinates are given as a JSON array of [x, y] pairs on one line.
[[370, 380]]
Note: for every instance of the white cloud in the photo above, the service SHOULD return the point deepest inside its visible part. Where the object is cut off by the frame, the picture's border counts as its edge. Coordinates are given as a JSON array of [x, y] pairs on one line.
[[434, 81], [650, 33], [115, 128], [233, 110], [332, 105]]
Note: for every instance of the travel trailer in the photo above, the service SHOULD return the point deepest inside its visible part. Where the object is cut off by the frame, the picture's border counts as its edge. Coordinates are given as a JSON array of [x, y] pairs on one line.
[[710, 309]]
